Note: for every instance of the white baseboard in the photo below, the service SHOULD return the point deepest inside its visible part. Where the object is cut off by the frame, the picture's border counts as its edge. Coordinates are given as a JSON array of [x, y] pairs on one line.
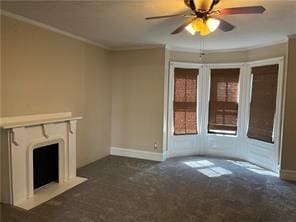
[[288, 174], [139, 154], [182, 153]]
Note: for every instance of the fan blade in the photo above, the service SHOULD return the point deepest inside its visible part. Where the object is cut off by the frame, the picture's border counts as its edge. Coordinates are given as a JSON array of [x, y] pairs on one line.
[[214, 2], [225, 26], [190, 4], [166, 16], [242, 10], [182, 27]]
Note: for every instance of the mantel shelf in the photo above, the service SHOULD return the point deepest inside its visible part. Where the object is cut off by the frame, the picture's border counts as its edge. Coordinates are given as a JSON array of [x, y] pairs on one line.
[[39, 121]]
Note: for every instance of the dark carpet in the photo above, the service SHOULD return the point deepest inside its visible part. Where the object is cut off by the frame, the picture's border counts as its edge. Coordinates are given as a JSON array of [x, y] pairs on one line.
[[179, 189]]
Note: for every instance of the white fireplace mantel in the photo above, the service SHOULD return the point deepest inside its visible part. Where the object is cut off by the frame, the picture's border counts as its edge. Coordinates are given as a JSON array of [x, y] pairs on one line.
[[32, 120], [22, 135]]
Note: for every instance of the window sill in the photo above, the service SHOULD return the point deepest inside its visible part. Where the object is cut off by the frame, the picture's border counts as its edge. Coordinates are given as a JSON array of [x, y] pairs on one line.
[[223, 132], [186, 134], [222, 135], [259, 142]]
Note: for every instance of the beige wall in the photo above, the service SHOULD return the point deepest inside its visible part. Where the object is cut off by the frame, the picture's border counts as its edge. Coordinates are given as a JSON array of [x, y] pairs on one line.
[[46, 72], [137, 98], [231, 57], [208, 57], [268, 52], [289, 138]]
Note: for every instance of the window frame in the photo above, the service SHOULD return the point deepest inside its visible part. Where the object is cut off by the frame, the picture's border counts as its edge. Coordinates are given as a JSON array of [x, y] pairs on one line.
[[239, 66], [184, 65], [277, 124]]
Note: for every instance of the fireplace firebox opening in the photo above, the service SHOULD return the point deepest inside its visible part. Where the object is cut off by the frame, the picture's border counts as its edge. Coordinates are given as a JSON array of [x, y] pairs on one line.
[[46, 165]]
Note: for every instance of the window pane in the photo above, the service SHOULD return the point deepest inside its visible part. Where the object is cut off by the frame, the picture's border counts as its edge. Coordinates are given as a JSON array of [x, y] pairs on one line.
[[263, 103], [223, 106], [185, 101]]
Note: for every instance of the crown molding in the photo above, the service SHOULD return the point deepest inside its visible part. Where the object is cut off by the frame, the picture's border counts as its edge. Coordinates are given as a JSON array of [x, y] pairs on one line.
[[50, 28], [155, 46]]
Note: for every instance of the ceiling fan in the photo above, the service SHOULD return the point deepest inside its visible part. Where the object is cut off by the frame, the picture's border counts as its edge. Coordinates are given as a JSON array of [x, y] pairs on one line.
[[206, 20]]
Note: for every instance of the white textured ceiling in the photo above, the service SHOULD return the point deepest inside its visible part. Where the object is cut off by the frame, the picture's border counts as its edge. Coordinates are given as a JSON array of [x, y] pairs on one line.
[[121, 23]]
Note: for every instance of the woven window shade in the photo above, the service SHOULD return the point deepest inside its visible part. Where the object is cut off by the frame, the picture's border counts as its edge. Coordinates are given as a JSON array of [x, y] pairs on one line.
[[263, 102], [185, 101], [223, 105]]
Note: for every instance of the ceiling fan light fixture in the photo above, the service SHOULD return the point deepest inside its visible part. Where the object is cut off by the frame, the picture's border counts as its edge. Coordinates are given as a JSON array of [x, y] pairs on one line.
[[189, 28], [205, 20], [198, 24], [205, 31], [212, 24], [203, 26]]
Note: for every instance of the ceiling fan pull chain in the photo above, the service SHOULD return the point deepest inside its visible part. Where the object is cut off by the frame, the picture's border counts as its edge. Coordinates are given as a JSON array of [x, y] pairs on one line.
[[202, 47]]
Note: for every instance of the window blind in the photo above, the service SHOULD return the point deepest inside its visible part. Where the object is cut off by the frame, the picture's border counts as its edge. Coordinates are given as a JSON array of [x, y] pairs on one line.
[[223, 104], [263, 102], [185, 101]]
